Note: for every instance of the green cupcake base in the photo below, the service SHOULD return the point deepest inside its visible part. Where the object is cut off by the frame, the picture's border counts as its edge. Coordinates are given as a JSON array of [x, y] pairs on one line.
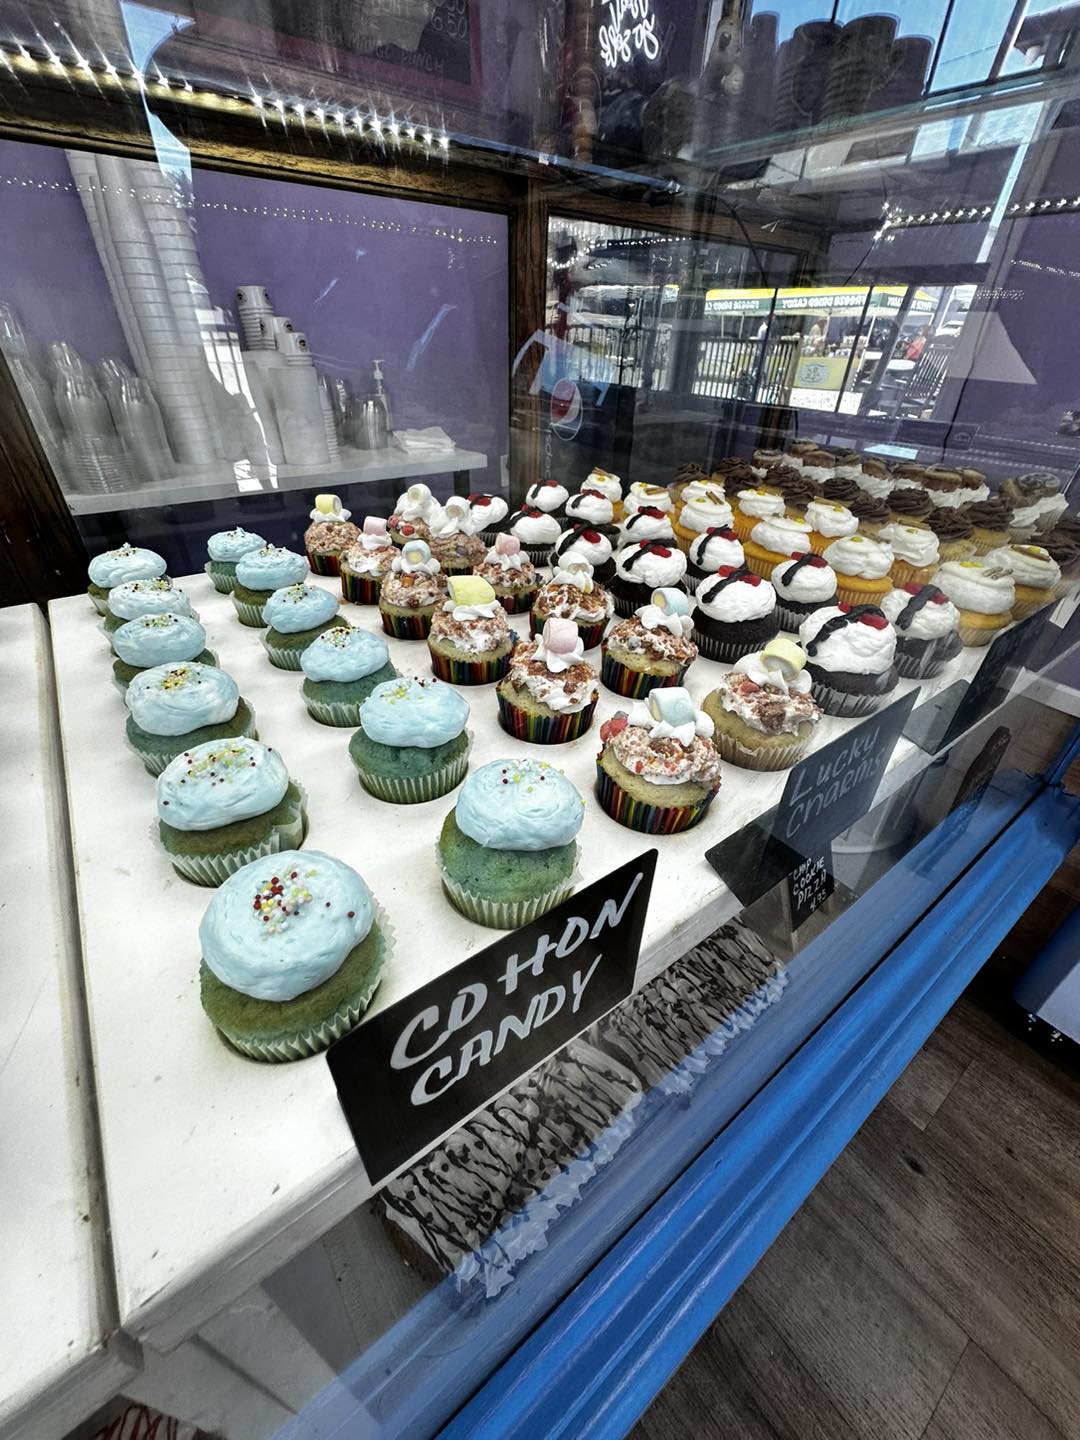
[[123, 673], [285, 650], [155, 751], [99, 597], [337, 702], [249, 605], [222, 575], [409, 774], [274, 1031], [502, 888], [209, 857]]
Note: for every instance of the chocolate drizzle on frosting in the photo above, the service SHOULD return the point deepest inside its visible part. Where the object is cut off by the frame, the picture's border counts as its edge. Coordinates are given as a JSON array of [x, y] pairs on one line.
[[916, 603], [806, 558], [711, 588], [581, 530], [647, 547], [840, 622]]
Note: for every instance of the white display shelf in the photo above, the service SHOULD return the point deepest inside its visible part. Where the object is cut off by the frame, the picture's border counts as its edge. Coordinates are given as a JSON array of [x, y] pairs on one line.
[[220, 1169], [218, 482], [56, 1362]]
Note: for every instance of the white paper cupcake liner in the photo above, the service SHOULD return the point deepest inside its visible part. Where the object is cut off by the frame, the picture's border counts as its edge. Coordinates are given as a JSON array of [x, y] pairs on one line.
[[216, 869], [772, 757], [415, 789], [284, 659], [249, 614], [343, 713], [223, 584], [503, 914]]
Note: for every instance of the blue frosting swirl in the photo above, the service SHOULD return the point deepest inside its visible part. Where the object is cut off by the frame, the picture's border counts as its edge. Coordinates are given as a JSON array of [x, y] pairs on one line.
[[115, 567], [219, 783], [299, 607], [519, 805], [271, 567], [147, 597], [424, 713], [283, 925], [155, 639], [232, 544], [344, 653], [173, 699]]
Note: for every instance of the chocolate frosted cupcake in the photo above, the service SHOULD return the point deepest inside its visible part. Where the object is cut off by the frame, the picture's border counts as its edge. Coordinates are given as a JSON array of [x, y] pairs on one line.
[[708, 551], [652, 647], [990, 521], [803, 585], [767, 459], [908, 473], [733, 475], [955, 534], [927, 634], [642, 568], [850, 655], [735, 614], [797, 489], [848, 464], [876, 478], [910, 505], [842, 489], [1065, 551], [686, 475], [871, 512]]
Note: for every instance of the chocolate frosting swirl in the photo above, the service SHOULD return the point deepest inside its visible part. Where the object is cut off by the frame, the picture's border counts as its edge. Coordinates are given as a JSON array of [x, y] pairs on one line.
[[992, 514], [736, 474], [909, 500], [796, 488], [1062, 548], [842, 489], [870, 508], [1068, 525], [687, 472], [949, 525]]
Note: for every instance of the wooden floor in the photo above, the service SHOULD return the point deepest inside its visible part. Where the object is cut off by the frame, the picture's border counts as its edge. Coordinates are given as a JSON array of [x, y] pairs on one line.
[[930, 1286]]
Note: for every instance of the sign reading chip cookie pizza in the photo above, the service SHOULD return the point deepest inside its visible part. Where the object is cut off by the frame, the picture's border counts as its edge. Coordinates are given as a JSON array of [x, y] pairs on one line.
[[417, 1069]]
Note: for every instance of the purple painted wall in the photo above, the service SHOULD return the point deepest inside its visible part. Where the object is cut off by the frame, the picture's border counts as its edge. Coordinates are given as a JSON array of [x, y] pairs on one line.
[[424, 287]]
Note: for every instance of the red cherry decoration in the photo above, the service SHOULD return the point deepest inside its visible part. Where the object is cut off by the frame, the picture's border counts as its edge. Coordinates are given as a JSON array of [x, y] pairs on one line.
[[876, 622], [939, 599], [662, 551], [752, 579], [843, 607], [818, 562], [592, 536], [911, 589], [479, 499], [724, 531], [405, 528], [652, 512], [725, 570], [596, 494]]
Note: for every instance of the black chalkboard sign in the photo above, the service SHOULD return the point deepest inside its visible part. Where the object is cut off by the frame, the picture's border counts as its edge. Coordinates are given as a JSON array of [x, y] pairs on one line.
[[949, 714], [825, 794], [809, 885], [412, 1072]]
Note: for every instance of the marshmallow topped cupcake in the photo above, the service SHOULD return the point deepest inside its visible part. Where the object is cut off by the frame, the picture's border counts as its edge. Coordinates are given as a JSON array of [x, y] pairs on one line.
[[658, 770], [573, 594], [412, 514], [365, 564], [653, 647], [762, 710], [330, 533], [549, 695], [511, 574]]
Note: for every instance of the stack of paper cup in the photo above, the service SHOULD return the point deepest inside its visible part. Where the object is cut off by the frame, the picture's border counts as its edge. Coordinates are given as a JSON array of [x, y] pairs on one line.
[[253, 304], [296, 401]]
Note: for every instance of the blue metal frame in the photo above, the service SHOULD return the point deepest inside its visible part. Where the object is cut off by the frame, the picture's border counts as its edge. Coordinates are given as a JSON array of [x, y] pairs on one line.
[[601, 1356]]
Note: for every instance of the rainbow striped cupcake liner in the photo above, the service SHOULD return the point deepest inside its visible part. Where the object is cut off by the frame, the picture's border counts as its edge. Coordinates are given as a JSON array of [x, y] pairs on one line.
[[416, 626], [543, 729], [249, 614], [518, 603], [216, 869], [323, 564], [635, 684], [649, 819], [415, 789], [501, 914], [590, 631], [360, 589], [469, 672]]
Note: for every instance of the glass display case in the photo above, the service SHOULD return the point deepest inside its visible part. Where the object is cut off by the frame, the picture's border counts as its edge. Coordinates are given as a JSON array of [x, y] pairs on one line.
[[585, 495]]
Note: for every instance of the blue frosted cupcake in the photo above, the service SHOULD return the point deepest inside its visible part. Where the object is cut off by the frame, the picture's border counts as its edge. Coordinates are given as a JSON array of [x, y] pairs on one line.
[[143, 597], [508, 849], [296, 615], [151, 640], [225, 549], [411, 745], [258, 574], [293, 948], [225, 803], [342, 666], [116, 567], [175, 707]]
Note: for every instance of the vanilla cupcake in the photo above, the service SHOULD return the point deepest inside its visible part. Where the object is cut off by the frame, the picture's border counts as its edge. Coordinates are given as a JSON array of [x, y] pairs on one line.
[[470, 638], [365, 564], [657, 497], [1035, 574], [329, 535], [548, 496], [828, 521], [646, 523], [549, 695], [511, 574], [754, 505], [707, 512], [537, 530], [411, 593], [658, 770], [734, 614], [604, 481], [591, 507], [708, 551], [802, 586], [573, 594], [984, 595], [762, 710], [915, 553], [651, 648], [454, 539], [862, 569], [642, 568], [412, 515], [927, 629], [851, 656], [774, 540]]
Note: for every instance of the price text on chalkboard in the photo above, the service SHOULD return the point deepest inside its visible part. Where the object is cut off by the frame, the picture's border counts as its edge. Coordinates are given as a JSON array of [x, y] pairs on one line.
[[809, 885], [415, 1070], [825, 794]]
